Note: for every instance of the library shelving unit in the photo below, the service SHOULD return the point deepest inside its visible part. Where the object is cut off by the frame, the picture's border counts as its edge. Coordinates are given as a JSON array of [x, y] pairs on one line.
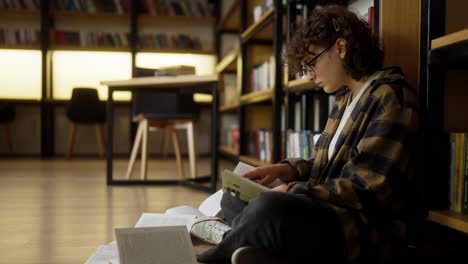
[[152, 41], [228, 70], [230, 101], [444, 68], [444, 82], [261, 96], [12, 40], [62, 27], [304, 101]]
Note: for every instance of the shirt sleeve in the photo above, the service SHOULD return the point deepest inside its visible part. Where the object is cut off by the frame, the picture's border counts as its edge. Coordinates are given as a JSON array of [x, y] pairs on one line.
[[301, 166]]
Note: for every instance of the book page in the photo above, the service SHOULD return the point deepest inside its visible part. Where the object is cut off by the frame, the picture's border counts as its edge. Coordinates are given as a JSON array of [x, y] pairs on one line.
[[242, 168], [149, 245], [184, 210], [154, 220], [105, 254], [211, 206]]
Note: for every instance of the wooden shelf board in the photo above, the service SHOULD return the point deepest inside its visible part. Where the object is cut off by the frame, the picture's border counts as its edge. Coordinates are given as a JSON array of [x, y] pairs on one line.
[[450, 39], [180, 51], [450, 219], [21, 47], [227, 108], [5, 13], [264, 22], [256, 97], [301, 85], [228, 151], [66, 15], [21, 101], [231, 19], [228, 62], [79, 48], [148, 19], [253, 161]]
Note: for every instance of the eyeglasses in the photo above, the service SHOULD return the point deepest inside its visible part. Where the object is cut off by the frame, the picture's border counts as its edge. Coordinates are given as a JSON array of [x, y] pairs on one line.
[[309, 66]]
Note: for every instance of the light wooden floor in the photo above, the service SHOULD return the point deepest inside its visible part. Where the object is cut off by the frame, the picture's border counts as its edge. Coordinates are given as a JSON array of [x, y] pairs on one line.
[[60, 211]]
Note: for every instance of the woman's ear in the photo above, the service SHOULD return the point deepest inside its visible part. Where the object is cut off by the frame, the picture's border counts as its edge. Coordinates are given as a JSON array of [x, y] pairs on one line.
[[341, 46]]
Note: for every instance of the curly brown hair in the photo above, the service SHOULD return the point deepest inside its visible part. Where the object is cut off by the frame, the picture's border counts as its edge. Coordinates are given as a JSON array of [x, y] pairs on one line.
[[325, 25]]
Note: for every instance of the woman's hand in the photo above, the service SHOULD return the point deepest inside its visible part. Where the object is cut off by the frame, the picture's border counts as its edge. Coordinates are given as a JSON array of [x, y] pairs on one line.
[[267, 174]]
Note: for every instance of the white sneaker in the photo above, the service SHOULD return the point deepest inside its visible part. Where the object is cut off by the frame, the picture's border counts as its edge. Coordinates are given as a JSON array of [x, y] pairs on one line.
[[209, 229]]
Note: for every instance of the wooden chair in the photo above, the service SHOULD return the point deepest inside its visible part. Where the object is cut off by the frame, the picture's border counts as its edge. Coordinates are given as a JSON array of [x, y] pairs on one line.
[[167, 112], [86, 109], [7, 116]]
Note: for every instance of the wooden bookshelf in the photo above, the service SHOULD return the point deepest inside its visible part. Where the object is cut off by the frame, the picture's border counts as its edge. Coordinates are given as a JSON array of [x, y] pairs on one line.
[[19, 14], [301, 85], [450, 39], [450, 49], [21, 47], [257, 97], [228, 63], [230, 21], [228, 108], [450, 219], [177, 20], [262, 29], [228, 151], [253, 161], [25, 101], [178, 51]]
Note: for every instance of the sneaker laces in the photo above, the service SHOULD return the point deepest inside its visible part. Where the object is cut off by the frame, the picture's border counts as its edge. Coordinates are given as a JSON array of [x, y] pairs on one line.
[[209, 229]]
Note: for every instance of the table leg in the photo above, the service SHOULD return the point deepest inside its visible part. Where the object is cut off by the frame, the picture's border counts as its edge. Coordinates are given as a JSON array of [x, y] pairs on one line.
[[110, 135]]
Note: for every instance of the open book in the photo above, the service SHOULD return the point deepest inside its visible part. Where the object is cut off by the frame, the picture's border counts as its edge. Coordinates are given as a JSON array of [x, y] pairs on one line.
[[159, 224], [241, 187]]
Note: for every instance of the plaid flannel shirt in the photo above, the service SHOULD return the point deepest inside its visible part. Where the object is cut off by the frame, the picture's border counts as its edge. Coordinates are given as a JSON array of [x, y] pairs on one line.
[[365, 180]]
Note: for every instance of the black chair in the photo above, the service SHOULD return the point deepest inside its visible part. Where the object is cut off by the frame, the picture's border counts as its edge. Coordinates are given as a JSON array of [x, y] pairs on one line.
[[165, 111], [86, 109], [7, 116]]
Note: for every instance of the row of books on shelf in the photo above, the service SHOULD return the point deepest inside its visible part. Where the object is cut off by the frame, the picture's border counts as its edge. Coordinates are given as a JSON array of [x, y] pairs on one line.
[[31, 5], [458, 195], [152, 7], [263, 76], [164, 40], [177, 7], [231, 137], [93, 6], [300, 144], [260, 144], [26, 36], [91, 39]]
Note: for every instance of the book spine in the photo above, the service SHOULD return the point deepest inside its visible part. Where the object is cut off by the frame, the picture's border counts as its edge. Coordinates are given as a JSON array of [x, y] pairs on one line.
[[465, 178], [459, 164], [452, 172]]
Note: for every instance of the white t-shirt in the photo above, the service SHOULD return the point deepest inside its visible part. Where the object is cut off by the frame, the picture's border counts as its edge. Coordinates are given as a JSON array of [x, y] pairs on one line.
[[349, 109]]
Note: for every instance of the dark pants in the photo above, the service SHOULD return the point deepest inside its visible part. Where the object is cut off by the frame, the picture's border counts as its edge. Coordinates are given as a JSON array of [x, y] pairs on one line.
[[299, 228]]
